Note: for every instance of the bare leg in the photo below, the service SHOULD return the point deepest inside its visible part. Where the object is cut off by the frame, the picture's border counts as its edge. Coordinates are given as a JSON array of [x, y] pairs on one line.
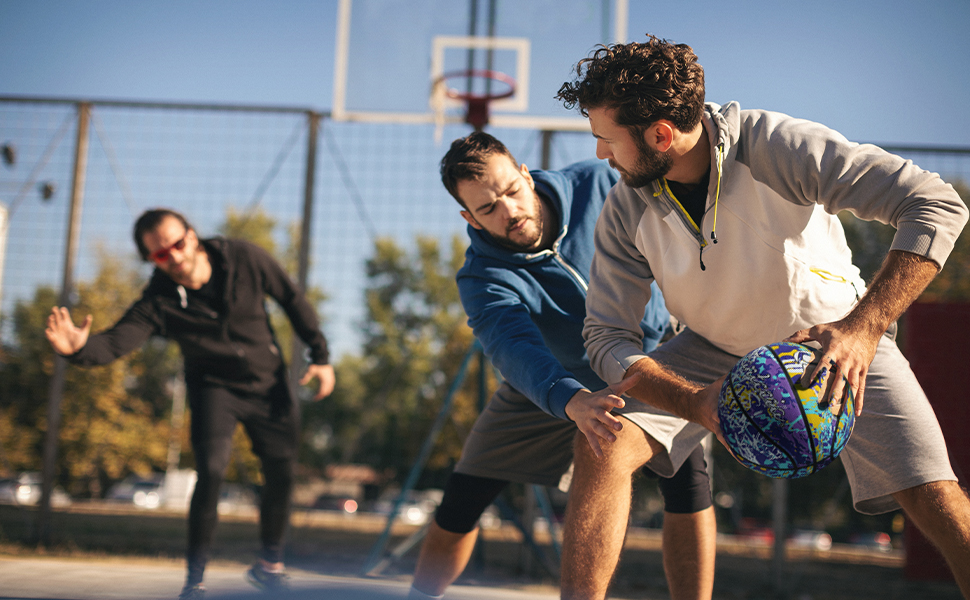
[[689, 548], [941, 510], [443, 557], [598, 511]]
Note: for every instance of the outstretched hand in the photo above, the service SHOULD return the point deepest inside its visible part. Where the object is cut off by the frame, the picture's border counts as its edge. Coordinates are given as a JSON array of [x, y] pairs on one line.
[[591, 412], [66, 338], [324, 375], [844, 352]]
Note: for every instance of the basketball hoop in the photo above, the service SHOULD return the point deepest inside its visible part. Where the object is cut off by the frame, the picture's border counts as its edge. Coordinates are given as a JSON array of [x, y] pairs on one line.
[[476, 113]]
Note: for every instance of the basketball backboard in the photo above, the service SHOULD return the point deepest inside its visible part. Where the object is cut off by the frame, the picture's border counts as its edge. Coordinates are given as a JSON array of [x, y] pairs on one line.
[[390, 53]]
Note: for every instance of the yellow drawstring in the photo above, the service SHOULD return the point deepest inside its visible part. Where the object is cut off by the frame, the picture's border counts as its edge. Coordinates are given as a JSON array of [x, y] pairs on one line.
[[717, 192]]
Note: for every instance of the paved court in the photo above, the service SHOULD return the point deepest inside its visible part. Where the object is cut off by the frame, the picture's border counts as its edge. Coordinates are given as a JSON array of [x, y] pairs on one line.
[[85, 579]]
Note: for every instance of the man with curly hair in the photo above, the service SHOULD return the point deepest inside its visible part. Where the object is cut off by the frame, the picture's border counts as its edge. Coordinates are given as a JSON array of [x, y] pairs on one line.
[[523, 286], [731, 213]]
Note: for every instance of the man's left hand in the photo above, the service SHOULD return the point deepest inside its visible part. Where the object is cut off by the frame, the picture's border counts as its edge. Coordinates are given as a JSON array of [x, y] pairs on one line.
[[325, 375], [849, 344], [845, 351]]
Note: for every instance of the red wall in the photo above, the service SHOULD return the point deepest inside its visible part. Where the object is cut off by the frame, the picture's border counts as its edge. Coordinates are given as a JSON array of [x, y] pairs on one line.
[[937, 344]]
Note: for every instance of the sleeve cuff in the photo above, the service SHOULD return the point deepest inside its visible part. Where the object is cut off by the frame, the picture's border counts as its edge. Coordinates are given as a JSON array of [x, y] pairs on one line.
[[560, 394], [621, 359], [918, 239]]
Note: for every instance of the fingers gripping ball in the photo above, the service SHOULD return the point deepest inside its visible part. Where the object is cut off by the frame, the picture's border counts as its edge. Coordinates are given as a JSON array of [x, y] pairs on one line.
[[774, 422]]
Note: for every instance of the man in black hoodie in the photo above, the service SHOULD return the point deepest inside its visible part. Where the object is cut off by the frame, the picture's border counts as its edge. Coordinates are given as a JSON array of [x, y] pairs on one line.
[[209, 296]]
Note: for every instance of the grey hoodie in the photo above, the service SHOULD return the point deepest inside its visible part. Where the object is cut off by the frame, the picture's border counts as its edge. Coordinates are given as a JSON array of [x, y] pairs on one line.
[[780, 262]]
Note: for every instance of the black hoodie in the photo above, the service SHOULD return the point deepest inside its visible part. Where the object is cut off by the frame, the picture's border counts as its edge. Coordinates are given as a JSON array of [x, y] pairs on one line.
[[233, 347]]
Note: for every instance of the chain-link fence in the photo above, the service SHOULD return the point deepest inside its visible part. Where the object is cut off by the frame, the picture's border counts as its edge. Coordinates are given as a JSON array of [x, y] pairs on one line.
[[368, 181]]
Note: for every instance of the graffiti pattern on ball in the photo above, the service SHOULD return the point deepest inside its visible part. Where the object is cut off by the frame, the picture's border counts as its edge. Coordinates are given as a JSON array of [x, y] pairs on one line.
[[772, 422]]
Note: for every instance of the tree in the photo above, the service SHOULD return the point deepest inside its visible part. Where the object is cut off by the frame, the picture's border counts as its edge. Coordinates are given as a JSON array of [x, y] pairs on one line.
[[255, 226], [870, 242], [953, 284], [415, 340], [111, 424]]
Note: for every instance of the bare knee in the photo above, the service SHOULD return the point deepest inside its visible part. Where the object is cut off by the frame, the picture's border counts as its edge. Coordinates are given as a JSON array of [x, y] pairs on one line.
[[632, 449]]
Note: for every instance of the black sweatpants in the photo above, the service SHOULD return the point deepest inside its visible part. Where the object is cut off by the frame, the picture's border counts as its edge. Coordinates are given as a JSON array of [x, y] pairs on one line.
[[272, 422]]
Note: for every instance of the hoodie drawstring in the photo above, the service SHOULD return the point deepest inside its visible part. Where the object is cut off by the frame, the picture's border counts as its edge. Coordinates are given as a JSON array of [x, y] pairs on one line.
[[719, 151]]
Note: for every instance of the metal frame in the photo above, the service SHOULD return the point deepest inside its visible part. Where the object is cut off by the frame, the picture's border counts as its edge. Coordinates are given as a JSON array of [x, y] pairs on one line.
[[519, 101], [340, 113], [379, 559]]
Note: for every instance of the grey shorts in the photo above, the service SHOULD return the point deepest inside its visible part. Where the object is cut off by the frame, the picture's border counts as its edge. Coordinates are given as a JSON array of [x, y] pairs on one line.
[[896, 443], [514, 440]]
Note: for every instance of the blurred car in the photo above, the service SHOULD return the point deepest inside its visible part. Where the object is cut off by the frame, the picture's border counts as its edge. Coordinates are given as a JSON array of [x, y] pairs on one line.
[[491, 518], [25, 490], [416, 508], [143, 492], [236, 498], [344, 504], [810, 539], [873, 540], [755, 531]]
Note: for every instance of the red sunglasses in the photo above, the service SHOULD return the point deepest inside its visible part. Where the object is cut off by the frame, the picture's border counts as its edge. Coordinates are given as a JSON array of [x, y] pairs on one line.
[[163, 254]]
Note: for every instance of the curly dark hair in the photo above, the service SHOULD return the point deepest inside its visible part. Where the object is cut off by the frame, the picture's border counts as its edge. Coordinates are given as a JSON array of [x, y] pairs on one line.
[[467, 159], [148, 221], [643, 82]]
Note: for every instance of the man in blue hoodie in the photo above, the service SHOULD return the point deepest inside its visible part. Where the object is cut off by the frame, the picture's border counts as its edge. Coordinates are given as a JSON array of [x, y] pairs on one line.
[[523, 287]]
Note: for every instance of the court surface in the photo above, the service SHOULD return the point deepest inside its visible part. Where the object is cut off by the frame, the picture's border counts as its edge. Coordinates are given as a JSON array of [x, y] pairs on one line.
[[86, 579]]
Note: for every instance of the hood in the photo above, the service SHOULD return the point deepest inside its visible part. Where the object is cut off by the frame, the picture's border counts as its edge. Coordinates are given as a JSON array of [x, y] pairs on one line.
[[723, 124]]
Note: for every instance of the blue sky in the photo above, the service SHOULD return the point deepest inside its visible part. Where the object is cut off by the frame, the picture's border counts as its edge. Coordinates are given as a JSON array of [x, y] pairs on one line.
[[888, 72], [884, 71]]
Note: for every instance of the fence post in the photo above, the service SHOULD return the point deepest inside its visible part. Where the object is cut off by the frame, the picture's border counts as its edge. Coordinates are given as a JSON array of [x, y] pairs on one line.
[[303, 256], [546, 159], [779, 512], [56, 390]]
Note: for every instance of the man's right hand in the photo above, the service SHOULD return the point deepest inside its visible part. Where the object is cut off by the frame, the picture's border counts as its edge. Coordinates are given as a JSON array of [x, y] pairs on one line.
[[706, 401], [65, 338], [591, 412]]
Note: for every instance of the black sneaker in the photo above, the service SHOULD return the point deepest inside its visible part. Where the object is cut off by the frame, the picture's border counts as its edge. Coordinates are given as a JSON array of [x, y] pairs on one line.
[[192, 592], [264, 580]]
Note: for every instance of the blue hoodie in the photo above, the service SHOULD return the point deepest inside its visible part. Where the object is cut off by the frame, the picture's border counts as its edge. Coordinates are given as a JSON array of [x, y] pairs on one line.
[[528, 309]]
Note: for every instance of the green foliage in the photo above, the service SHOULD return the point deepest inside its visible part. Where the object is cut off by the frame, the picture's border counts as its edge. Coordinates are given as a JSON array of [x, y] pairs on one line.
[[415, 341], [112, 419], [106, 430], [870, 241], [255, 226], [24, 377], [953, 282]]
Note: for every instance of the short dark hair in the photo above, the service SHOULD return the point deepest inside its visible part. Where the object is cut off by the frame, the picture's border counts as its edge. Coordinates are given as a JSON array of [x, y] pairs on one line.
[[148, 221], [467, 159], [642, 82]]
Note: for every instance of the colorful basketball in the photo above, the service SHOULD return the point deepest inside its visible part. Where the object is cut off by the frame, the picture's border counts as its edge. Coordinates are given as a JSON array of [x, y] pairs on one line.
[[773, 423]]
